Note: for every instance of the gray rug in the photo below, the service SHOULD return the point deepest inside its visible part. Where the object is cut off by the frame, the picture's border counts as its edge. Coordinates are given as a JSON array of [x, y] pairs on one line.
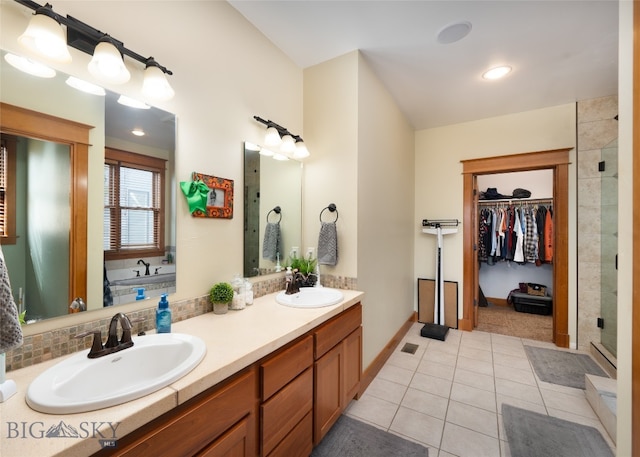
[[531, 434], [562, 367], [353, 438]]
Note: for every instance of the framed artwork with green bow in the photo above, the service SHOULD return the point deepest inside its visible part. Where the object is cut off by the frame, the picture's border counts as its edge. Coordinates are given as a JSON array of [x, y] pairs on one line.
[[209, 196]]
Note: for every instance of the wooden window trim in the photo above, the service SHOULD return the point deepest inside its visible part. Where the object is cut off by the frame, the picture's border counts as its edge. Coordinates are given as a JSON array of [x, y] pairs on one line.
[[10, 236]]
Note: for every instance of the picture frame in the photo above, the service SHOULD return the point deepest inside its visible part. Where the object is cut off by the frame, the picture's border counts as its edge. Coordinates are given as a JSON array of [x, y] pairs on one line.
[[219, 199]]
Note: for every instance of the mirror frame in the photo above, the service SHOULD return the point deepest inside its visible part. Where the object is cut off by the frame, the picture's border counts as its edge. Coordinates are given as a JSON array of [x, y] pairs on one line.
[[23, 122]]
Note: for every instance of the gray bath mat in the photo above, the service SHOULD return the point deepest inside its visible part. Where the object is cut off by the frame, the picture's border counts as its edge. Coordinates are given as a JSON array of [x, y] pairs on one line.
[[353, 438], [562, 367], [531, 434]]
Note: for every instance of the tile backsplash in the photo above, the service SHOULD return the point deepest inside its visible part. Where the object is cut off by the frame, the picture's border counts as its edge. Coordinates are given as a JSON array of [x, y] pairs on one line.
[[56, 343]]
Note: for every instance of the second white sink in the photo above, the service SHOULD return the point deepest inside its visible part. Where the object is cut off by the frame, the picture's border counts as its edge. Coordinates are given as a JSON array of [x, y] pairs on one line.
[[311, 297], [79, 384]]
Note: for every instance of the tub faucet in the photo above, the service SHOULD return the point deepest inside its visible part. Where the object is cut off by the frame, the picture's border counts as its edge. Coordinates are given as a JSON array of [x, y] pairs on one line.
[[146, 266]]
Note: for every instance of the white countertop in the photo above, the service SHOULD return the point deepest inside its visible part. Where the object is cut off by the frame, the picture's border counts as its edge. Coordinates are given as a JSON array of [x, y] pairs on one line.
[[234, 341]]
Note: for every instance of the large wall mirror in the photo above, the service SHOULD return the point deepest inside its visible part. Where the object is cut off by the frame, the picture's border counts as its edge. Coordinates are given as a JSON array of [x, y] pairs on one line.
[[45, 270], [272, 210]]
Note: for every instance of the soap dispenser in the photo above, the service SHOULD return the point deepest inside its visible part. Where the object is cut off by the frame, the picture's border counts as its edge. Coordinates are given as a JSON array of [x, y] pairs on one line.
[[163, 315]]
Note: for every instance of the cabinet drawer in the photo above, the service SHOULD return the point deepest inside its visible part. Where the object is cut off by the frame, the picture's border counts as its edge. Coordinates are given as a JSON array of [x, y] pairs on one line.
[[280, 369], [233, 443], [337, 329], [192, 426], [298, 443], [282, 412]]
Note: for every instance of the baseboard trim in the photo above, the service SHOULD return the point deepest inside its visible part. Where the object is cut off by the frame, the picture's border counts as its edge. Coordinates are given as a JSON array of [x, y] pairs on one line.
[[498, 301], [374, 367]]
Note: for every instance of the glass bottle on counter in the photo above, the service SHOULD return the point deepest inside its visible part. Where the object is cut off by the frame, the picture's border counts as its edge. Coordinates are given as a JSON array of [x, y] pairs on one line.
[[248, 292], [238, 293]]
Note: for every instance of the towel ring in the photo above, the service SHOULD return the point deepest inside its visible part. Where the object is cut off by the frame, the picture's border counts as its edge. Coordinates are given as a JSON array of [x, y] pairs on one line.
[[332, 208], [276, 210]]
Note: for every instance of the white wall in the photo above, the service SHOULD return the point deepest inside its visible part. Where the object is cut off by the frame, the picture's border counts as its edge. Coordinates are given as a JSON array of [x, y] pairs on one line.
[[362, 161], [438, 177]]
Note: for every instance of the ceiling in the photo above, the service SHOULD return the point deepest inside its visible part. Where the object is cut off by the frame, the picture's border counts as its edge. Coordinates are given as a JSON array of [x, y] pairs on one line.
[[560, 51]]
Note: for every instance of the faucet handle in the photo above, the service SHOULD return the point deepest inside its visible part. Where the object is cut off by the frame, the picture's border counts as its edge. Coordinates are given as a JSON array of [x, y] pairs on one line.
[[96, 345]]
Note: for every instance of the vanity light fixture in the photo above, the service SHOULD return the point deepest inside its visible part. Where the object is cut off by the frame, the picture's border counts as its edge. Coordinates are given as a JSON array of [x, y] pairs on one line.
[[497, 72], [29, 66], [85, 86], [290, 145], [46, 37], [106, 64]]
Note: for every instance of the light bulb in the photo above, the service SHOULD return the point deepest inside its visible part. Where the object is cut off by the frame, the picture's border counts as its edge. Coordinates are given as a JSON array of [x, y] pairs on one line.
[[45, 37], [107, 64], [155, 84]]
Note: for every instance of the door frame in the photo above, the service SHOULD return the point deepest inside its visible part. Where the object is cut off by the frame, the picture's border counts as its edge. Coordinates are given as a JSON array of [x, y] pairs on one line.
[[556, 160], [18, 121]]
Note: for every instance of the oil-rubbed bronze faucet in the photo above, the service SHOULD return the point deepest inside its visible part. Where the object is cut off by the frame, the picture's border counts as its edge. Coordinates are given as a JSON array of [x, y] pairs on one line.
[[146, 266], [113, 344]]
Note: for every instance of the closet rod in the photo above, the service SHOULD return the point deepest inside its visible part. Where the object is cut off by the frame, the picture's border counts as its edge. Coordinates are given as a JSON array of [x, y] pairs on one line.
[[516, 201]]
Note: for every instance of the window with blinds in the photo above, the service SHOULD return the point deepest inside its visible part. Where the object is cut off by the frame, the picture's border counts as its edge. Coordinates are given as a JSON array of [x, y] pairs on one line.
[[3, 188], [133, 205]]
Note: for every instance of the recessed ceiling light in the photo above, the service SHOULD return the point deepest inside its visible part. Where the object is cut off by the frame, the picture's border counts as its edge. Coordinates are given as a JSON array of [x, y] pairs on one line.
[[138, 132], [85, 86], [454, 32], [132, 102], [29, 66], [497, 72]]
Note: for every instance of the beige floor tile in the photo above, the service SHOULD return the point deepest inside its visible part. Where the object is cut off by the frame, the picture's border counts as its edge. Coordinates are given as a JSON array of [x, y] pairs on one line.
[[567, 402], [477, 366], [474, 397], [420, 427], [513, 374], [436, 369], [518, 390], [373, 410], [396, 374], [447, 347], [404, 360], [477, 419], [470, 378], [431, 384], [560, 388], [516, 350], [386, 390], [436, 355], [443, 454], [426, 403], [521, 363], [504, 449], [475, 353], [463, 442], [505, 399]]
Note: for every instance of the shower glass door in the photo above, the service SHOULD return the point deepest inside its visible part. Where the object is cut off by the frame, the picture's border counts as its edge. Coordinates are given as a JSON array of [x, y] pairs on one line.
[[609, 247]]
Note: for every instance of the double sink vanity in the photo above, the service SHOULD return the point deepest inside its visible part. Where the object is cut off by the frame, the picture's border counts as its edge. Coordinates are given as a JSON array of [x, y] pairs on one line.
[[270, 381]]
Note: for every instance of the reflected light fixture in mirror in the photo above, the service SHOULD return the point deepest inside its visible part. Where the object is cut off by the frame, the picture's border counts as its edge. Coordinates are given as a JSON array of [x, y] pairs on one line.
[[45, 37], [85, 86], [29, 66]]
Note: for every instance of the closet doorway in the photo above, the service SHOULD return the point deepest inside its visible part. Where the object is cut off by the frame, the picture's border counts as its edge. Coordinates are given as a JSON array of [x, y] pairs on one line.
[[558, 162]]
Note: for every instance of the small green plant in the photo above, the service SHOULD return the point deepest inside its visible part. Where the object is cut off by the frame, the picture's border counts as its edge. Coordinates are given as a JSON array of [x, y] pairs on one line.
[[304, 265], [221, 292]]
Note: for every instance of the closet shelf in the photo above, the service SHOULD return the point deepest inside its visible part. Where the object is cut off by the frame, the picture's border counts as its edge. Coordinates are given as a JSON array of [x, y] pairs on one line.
[[516, 201]]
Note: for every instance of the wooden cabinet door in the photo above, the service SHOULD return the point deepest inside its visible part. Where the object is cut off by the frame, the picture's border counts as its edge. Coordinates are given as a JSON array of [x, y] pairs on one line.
[[329, 392], [352, 346], [236, 442]]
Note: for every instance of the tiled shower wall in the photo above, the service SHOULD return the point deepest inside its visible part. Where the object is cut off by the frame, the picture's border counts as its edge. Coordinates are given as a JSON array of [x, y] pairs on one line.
[[597, 130]]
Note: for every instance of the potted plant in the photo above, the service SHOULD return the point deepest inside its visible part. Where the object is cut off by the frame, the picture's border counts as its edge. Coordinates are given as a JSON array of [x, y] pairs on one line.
[[307, 268], [220, 295]]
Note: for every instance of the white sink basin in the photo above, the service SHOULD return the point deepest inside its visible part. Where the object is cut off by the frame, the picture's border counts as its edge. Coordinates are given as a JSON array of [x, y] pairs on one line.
[[80, 384], [311, 297]]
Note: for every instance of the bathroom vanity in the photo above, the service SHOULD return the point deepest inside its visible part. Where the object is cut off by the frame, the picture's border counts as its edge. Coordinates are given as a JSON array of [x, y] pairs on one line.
[[273, 382]]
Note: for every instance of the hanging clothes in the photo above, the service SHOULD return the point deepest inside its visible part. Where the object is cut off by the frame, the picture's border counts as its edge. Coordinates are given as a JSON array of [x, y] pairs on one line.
[[518, 255], [548, 236]]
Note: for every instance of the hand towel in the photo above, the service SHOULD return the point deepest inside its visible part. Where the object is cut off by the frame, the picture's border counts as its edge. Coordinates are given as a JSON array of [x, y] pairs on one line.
[[271, 243], [107, 296], [10, 330], [328, 244]]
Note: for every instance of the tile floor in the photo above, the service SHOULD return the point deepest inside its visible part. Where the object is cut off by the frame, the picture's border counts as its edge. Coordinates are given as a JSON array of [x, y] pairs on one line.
[[448, 395]]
